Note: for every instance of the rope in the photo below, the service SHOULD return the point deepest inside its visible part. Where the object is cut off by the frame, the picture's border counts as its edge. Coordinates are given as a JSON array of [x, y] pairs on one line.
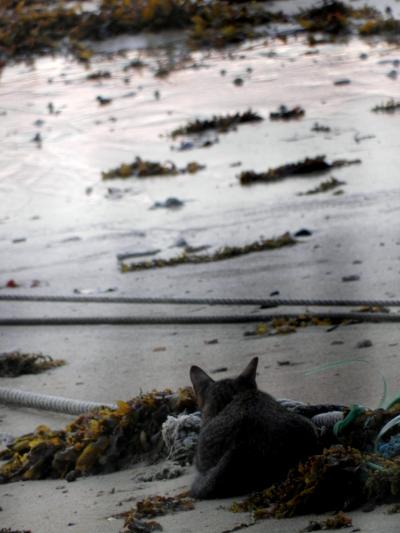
[[269, 302], [49, 403], [199, 319], [70, 406]]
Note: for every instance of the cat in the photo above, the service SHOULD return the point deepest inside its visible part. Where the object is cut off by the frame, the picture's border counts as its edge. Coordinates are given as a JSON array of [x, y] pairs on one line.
[[247, 440]]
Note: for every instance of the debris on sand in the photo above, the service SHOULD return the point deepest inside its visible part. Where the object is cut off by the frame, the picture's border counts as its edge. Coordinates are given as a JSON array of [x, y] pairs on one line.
[[227, 252], [103, 100], [284, 326], [285, 113], [219, 23], [9, 530], [220, 123], [137, 518], [144, 169], [389, 27], [99, 75], [331, 17], [325, 186], [309, 165], [339, 478], [338, 521], [100, 441], [320, 128], [14, 364], [390, 106], [347, 474]]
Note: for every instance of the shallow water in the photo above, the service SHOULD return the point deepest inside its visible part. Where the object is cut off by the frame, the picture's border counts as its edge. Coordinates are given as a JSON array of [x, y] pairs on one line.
[[59, 219]]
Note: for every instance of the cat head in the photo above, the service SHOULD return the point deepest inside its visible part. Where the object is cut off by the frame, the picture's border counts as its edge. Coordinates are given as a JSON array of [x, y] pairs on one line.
[[212, 396]]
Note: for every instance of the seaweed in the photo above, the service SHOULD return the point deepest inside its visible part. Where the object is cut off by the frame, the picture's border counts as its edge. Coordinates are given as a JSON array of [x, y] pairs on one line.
[[101, 441], [9, 530], [99, 75], [152, 507], [14, 364], [218, 23], [284, 325], [320, 128], [220, 123], [227, 252], [340, 478], [144, 169], [389, 27], [310, 165], [330, 17], [338, 521], [284, 113], [387, 107], [325, 186]]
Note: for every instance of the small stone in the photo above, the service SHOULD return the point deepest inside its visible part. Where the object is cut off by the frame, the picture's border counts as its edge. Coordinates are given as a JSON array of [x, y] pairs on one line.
[[344, 81], [303, 233], [364, 344], [354, 277]]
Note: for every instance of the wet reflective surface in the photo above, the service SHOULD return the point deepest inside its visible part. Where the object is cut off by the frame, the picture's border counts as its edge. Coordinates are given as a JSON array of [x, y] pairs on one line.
[[60, 220]]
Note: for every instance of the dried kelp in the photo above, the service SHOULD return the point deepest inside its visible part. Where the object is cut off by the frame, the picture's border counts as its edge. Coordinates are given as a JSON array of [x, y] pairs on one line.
[[338, 521], [100, 441], [332, 17], [218, 22], [310, 165], [152, 507], [144, 169], [284, 326], [9, 530], [99, 75], [325, 186], [30, 27], [340, 478], [390, 106], [227, 252], [389, 27], [16, 363], [284, 113], [220, 123]]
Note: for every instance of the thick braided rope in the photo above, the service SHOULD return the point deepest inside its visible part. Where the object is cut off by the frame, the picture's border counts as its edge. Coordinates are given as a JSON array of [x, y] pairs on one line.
[[271, 302], [49, 403], [187, 319]]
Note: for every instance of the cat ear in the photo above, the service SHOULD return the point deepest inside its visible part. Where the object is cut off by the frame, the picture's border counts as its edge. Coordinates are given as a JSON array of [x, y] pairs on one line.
[[249, 373], [200, 381]]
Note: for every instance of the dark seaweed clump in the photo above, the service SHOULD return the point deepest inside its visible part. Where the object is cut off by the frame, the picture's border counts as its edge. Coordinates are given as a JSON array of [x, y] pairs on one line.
[[13, 364], [144, 169], [325, 186], [218, 23], [309, 165], [285, 113], [227, 252], [331, 17], [388, 107], [389, 27], [338, 521], [220, 123], [347, 474], [137, 518], [100, 441]]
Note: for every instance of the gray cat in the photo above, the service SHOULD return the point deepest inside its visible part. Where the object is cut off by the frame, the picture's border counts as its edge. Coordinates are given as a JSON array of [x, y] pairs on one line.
[[247, 440]]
